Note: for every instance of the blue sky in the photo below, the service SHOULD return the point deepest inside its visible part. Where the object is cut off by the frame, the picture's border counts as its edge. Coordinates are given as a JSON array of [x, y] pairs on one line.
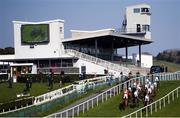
[[93, 15]]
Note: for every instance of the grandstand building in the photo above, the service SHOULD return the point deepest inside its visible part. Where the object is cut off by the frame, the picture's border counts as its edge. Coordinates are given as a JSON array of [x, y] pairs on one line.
[[41, 46]]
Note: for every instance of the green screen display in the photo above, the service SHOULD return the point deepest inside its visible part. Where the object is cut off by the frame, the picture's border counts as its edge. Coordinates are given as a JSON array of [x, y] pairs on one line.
[[35, 33]]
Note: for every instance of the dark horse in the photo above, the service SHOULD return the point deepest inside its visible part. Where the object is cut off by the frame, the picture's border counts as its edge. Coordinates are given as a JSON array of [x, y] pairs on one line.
[[122, 105]]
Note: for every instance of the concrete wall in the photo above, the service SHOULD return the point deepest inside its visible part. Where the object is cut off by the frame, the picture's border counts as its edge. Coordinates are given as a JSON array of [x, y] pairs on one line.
[[92, 68], [146, 60], [137, 18], [49, 50]]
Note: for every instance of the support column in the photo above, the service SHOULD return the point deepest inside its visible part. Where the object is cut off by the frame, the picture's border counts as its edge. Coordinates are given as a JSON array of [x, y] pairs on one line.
[[96, 47], [139, 55], [49, 63], [126, 54], [112, 53]]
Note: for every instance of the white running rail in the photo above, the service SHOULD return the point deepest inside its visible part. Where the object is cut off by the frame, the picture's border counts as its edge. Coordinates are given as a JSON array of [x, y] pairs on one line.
[[158, 104], [102, 97], [98, 61], [47, 97]]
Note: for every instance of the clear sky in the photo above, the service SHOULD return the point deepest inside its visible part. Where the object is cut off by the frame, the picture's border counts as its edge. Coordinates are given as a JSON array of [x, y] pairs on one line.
[[93, 15]]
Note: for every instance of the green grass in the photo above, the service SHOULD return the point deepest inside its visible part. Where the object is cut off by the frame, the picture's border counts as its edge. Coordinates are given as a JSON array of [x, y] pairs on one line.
[[110, 107], [9, 94], [61, 106], [171, 110], [172, 67]]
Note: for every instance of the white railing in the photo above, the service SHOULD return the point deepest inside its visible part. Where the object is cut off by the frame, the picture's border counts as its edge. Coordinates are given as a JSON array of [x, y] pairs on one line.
[[102, 97], [47, 97], [98, 61], [158, 104], [54, 94]]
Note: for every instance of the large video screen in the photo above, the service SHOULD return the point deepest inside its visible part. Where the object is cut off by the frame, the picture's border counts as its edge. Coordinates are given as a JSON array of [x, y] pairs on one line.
[[35, 33]]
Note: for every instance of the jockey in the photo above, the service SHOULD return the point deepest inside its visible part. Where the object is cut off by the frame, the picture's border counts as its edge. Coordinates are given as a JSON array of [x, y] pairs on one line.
[[149, 83], [134, 85], [147, 80], [152, 87], [125, 96], [146, 99], [129, 89], [139, 86], [155, 84], [146, 86], [149, 90], [136, 93], [156, 79]]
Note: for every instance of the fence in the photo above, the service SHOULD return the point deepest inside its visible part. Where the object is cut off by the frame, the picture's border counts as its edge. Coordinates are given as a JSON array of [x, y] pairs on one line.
[[102, 97], [98, 61], [158, 104], [47, 101], [67, 70]]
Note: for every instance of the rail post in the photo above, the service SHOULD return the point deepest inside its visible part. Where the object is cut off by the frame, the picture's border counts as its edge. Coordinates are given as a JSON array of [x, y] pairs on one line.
[[97, 100], [83, 107], [146, 111], [78, 111], [155, 106], [151, 109], [102, 97], [159, 104], [164, 101]]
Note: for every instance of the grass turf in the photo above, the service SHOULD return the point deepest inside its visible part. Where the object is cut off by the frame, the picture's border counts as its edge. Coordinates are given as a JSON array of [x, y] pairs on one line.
[[8, 94], [69, 102], [172, 67], [171, 110], [110, 107]]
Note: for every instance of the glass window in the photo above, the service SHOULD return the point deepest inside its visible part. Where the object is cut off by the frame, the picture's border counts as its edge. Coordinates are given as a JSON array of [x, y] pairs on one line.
[[145, 10], [60, 29], [145, 28], [136, 10]]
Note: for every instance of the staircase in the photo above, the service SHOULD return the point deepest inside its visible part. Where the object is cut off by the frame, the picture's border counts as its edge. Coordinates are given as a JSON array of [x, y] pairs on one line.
[[98, 61]]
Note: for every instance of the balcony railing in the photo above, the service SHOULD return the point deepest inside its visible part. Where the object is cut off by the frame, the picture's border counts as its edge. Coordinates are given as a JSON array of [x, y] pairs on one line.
[[130, 31], [98, 61]]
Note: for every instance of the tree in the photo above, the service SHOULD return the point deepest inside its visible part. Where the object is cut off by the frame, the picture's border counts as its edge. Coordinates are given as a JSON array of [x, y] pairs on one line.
[[7, 50]]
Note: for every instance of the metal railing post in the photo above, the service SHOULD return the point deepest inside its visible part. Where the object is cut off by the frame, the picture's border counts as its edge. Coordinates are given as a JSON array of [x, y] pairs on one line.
[[73, 112], [66, 114], [92, 103], [146, 111], [155, 106], [83, 107], [151, 109], [78, 110], [102, 98], [97, 101], [114, 91], [159, 104], [106, 96], [88, 105], [177, 93], [141, 113], [119, 89], [110, 93]]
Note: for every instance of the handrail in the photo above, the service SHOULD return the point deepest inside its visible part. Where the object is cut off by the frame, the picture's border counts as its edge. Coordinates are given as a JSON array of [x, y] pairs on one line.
[[108, 93], [52, 95], [98, 61], [112, 91], [156, 102]]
